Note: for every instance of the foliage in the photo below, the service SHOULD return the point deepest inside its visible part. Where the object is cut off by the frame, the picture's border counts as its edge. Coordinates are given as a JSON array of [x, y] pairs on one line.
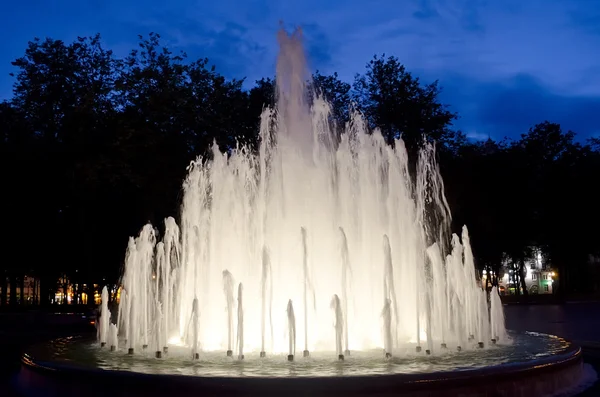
[[396, 102]]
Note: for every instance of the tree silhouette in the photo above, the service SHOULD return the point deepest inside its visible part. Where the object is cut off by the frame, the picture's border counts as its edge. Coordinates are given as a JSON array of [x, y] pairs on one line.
[[397, 103]]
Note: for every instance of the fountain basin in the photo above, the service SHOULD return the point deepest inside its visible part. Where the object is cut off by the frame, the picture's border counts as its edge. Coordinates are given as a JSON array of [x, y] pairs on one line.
[[534, 365]]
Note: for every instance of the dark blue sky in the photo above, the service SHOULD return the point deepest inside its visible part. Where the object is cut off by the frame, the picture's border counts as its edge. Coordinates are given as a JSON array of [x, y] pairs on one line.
[[504, 65]]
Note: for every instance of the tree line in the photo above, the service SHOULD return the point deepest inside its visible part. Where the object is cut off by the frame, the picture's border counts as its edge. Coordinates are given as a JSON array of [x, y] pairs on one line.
[[93, 146]]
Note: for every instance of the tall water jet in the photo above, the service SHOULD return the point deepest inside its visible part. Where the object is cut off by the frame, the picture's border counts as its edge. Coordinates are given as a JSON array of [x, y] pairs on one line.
[[345, 255], [438, 292], [338, 325], [132, 324], [172, 254], [455, 274], [497, 328], [240, 323], [103, 328], [429, 327], [159, 335], [471, 290], [389, 278], [113, 337], [292, 99], [306, 285], [123, 315], [266, 268], [157, 331], [387, 327], [291, 331], [228, 290], [195, 328]]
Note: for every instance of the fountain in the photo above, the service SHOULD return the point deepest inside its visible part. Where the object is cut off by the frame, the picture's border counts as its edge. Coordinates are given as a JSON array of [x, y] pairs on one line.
[[287, 223], [307, 217]]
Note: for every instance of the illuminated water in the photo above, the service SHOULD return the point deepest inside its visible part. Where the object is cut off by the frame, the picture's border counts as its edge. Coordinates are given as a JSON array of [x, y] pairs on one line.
[[329, 243], [526, 348]]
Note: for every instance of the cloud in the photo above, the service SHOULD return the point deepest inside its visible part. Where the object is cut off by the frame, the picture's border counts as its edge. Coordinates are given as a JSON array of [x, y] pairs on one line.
[[477, 136], [504, 65], [509, 107], [488, 40]]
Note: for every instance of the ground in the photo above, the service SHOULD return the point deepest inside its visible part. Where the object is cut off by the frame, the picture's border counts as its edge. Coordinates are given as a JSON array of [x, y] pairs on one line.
[[577, 321]]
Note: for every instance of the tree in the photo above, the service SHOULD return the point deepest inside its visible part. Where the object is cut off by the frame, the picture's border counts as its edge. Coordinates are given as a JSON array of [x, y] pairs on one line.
[[60, 90], [20, 212], [559, 173], [397, 103]]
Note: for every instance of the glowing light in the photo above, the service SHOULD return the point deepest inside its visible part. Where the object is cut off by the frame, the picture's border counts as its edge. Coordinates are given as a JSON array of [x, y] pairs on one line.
[[175, 341]]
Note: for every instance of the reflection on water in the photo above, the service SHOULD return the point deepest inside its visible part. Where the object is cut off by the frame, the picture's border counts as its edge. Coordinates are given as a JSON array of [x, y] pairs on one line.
[[525, 347]]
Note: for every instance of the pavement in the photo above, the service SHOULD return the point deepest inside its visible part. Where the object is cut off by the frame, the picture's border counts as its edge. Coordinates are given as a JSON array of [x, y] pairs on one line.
[[577, 321], [20, 330]]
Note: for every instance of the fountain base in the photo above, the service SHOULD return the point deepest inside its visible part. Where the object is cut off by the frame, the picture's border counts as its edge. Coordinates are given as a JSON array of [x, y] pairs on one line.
[[263, 354], [196, 356], [458, 348], [158, 354], [388, 355], [428, 352], [346, 352], [493, 341], [44, 372], [241, 357], [480, 345], [341, 357], [130, 351], [144, 347], [102, 344], [305, 353], [444, 346], [418, 349], [166, 349], [229, 353], [113, 348]]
